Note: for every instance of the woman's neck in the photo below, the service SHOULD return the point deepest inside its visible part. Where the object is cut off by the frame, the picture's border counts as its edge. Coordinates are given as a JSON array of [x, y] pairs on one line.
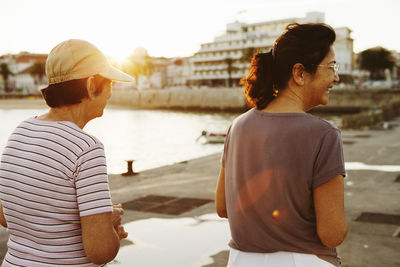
[[287, 101], [73, 113]]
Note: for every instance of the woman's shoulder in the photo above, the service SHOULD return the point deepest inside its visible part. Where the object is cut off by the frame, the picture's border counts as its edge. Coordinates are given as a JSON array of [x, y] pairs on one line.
[[289, 122], [320, 129], [65, 130], [321, 124]]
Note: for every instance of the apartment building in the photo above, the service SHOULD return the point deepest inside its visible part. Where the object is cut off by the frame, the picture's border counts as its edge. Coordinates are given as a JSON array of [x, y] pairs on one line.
[[225, 61], [23, 80], [179, 72]]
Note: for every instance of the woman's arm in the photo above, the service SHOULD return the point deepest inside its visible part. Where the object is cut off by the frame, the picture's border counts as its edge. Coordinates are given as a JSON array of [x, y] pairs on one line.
[[220, 203], [329, 211], [100, 239], [2, 218]]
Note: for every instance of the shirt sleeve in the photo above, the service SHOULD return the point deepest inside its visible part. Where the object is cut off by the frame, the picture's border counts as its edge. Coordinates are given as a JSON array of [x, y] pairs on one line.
[[330, 160], [223, 158], [91, 182]]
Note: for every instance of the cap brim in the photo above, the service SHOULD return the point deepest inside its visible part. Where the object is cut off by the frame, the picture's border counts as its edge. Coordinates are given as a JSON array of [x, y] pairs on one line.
[[115, 74]]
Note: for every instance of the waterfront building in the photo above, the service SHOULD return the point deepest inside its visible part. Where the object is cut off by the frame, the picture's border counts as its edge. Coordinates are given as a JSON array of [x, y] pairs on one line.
[[223, 62], [396, 66], [344, 53], [179, 72], [158, 78], [167, 73], [23, 79]]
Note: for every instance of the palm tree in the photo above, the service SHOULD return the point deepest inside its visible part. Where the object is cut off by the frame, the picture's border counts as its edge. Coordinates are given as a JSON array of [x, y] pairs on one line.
[[148, 67], [134, 69], [248, 54], [229, 67], [139, 63], [38, 72], [5, 73], [376, 60]]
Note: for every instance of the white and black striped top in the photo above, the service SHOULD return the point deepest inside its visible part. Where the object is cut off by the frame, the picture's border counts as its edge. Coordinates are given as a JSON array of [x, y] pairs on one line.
[[51, 174]]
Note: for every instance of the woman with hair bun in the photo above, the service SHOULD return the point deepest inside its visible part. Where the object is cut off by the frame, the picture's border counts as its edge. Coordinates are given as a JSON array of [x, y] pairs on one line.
[[281, 180]]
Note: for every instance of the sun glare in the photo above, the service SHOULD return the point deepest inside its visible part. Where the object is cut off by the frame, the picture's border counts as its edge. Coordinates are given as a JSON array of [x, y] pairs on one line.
[[116, 54], [119, 57]]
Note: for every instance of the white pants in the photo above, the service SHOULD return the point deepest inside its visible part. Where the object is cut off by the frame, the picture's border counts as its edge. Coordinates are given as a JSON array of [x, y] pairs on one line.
[[277, 259]]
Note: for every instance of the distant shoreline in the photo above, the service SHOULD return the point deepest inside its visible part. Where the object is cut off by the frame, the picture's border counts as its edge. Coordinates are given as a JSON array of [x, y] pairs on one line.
[[39, 103], [24, 103], [29, 103]]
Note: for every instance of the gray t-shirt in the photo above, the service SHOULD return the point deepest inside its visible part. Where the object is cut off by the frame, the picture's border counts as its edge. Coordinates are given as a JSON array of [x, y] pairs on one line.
[[273, 161]]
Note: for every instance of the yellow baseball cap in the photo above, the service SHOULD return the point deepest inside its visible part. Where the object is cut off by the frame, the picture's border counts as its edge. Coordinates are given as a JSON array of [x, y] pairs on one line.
[[76, 59]]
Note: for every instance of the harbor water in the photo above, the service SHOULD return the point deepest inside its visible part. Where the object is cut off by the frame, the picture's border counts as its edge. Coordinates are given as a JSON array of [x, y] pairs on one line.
[[150, 138]]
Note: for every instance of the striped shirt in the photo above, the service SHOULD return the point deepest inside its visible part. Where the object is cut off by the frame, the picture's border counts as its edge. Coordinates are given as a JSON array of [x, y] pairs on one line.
[[51, 174]]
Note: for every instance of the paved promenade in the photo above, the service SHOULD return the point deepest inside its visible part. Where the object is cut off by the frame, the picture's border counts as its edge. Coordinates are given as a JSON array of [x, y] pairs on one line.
[[372, 196]]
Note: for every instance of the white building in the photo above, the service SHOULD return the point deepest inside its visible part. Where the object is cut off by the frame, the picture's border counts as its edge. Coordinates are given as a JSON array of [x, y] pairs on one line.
[[210, 63], [179, 72], [343, 47], [159, 76], [396, 67], [22, 80]]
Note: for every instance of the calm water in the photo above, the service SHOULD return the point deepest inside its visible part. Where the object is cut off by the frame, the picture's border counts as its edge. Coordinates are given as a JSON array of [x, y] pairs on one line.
[[151, 138]]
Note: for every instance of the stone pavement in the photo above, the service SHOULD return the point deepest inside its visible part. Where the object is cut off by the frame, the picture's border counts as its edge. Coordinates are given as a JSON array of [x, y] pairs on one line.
[[369, 189]]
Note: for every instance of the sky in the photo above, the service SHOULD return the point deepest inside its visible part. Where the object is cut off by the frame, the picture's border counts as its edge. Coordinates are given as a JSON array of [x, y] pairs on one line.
[[172, 28]]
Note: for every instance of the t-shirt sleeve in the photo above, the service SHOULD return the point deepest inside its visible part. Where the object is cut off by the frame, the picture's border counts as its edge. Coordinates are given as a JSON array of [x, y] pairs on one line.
[[91, 182], [223, 158], [330, 160]]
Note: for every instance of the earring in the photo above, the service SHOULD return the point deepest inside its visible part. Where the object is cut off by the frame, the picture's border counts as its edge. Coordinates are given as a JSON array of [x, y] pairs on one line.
[[276, 91]]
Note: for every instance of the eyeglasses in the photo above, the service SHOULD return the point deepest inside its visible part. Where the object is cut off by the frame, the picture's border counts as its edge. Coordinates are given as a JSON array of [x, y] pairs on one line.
[[334, 67]]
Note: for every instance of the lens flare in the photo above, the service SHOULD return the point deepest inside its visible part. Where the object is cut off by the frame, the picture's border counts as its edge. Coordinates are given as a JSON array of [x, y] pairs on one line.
[[275, 213]]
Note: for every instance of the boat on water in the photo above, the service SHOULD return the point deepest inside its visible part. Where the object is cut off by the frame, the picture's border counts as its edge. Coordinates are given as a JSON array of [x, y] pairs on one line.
[[213, 137]]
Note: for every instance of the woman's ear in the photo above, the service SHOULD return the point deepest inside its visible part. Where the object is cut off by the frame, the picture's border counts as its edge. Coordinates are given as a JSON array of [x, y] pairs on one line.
[[298, 73], [91, 87]]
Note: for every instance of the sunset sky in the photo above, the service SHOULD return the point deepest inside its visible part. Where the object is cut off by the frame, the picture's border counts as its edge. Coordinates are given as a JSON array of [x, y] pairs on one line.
[[177, 27]]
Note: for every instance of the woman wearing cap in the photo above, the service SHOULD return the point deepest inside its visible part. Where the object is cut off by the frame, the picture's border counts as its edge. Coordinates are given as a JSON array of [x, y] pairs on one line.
[[54, 192], [281, 180]]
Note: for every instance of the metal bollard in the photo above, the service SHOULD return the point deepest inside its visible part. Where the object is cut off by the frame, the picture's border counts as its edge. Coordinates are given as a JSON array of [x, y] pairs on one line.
[[130, 171]]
